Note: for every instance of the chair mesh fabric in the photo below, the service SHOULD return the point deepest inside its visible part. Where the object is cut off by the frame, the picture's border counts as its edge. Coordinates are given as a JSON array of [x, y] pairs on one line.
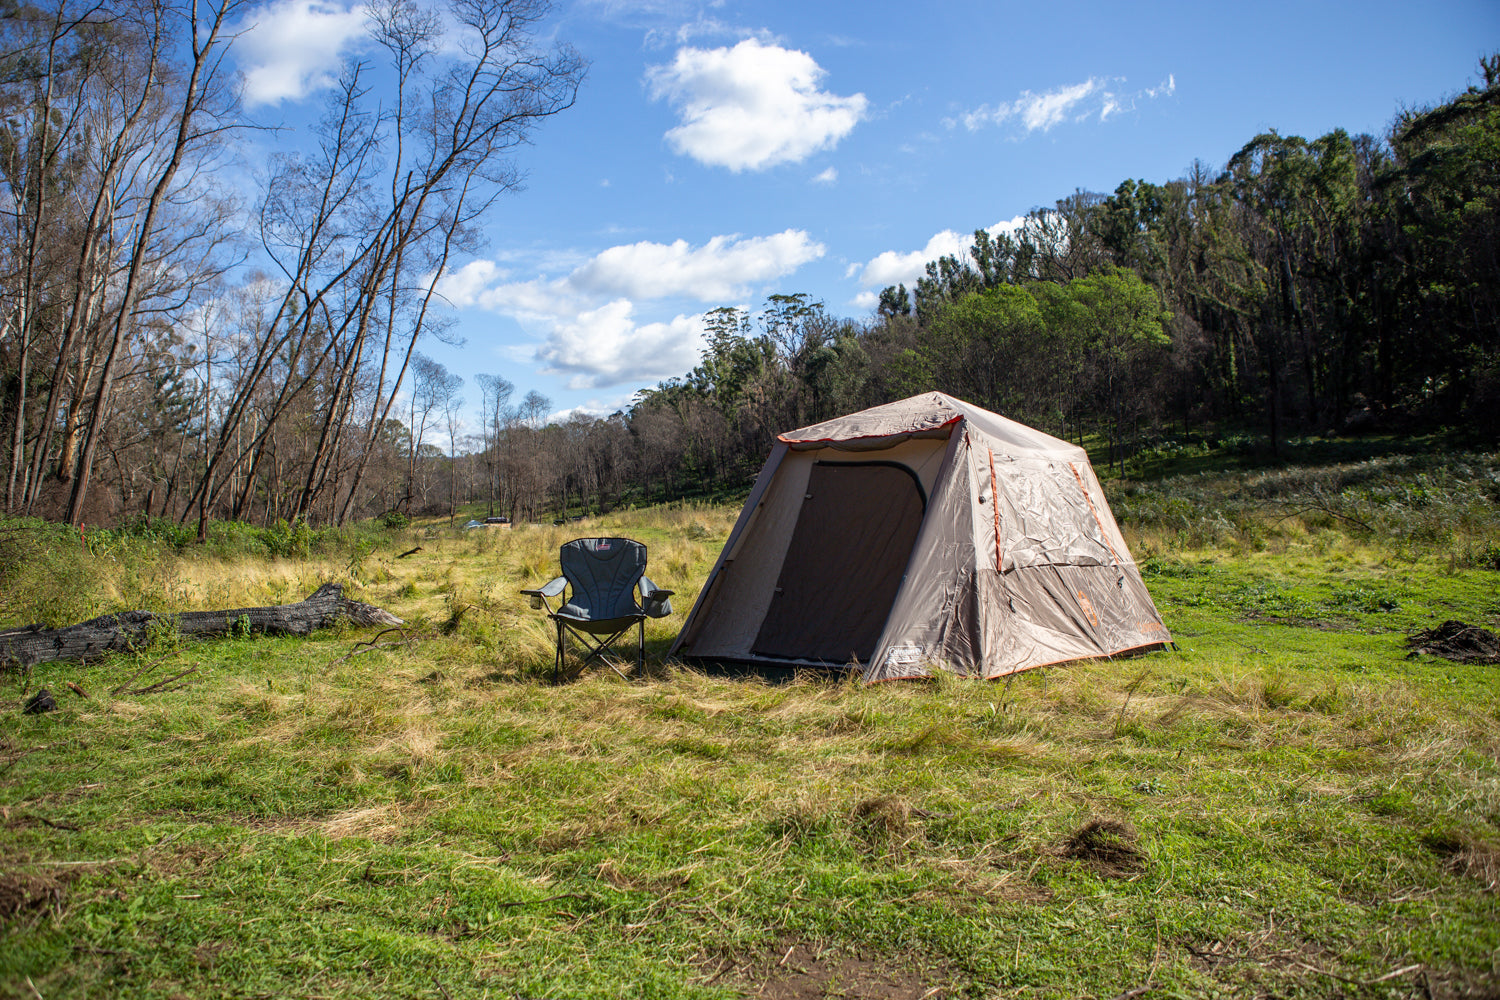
[[603, 573]]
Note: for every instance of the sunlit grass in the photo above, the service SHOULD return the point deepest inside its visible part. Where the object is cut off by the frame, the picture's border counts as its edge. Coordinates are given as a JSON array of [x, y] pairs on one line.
[[1311, 810]]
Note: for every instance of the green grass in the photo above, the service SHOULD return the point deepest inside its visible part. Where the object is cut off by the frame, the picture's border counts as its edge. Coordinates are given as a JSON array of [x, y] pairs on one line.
[[1310, 811]]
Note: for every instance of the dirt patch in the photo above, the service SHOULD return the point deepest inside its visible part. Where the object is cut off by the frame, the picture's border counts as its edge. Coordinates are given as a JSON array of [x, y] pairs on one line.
[[1469, 857], [979, 881], [1457, 641], [804, 973], [1110, 846], [22, 895]]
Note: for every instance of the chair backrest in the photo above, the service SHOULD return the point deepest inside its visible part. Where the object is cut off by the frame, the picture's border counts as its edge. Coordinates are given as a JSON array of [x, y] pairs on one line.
[[603, 573]]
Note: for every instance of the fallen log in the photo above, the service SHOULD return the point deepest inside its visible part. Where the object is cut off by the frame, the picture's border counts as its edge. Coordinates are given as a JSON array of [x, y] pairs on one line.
[[127, 629]]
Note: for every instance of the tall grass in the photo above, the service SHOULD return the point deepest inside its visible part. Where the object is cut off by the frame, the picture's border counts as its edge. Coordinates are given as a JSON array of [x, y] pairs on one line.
[[1431, 506]]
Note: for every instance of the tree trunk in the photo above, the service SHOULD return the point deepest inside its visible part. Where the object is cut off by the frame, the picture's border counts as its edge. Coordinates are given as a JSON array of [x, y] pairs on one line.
[[118, 632], [206, 51]]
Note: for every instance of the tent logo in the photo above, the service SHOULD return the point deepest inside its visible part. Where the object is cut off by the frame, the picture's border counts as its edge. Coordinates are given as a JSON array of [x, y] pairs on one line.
[[902, 656]]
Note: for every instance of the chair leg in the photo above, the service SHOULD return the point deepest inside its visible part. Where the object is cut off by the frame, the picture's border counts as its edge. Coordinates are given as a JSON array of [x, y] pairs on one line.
[[598, 646]]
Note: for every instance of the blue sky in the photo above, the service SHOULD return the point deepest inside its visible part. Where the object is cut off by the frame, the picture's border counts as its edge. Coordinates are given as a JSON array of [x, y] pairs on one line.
[[722, 152]]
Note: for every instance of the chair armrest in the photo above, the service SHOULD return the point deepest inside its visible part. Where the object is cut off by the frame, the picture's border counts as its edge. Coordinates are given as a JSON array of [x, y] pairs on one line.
[[553, 588], [650, 591], [654, 600]]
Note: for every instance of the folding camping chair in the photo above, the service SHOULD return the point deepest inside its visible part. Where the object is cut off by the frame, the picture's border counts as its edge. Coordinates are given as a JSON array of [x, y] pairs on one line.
[[604, 574]]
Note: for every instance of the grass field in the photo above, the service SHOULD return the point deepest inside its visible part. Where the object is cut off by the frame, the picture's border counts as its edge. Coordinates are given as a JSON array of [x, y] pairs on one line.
[[1284, 806]]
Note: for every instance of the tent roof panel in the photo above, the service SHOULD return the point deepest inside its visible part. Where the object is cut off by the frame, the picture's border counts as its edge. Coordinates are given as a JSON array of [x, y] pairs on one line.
[[932, 414]]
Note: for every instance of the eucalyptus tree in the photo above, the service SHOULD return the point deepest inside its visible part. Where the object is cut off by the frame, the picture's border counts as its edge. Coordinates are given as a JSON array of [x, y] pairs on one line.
[[1298, 203], [495, 392], [432, 388], [453, 422], [361, 225], [1440, 323], [198, 104], [114, 110]]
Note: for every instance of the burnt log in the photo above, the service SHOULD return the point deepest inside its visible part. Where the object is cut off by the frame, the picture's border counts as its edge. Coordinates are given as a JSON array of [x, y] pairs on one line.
[[129, 629]]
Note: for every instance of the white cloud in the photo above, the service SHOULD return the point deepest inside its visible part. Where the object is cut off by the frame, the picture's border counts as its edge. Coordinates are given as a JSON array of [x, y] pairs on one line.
[[828, 176], [1041, 112], [464, 286], [588, 317], [752, 106], [1166, 88], [594, 407], [718, 270], [290, 48], [892, 268], [706, 27], [895, 268], [538, 300], [606, 346], [1035, 111]]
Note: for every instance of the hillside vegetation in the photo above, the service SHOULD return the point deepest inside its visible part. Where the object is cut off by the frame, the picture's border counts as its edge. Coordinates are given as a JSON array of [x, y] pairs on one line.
[[149, 367], [1283, 805]]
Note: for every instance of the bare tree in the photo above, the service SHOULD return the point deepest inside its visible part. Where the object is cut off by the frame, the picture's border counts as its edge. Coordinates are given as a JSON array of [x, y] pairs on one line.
[[361, 226], [496, 392], [453, 420], [112, 109], [201, 109], [433, 387]]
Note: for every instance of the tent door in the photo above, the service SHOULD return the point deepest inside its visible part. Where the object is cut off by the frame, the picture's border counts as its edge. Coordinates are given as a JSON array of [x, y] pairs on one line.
[[848, 555]]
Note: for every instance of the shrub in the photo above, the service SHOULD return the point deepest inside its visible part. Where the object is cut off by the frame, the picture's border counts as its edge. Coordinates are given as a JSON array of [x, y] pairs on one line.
[[288, 540]]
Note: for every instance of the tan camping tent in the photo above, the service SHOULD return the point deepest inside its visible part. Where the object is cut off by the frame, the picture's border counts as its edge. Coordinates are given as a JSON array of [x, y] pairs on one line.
[[923, 534]]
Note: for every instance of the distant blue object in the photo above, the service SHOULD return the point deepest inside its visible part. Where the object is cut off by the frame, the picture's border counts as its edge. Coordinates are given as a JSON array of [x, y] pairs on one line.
[[604, 575]]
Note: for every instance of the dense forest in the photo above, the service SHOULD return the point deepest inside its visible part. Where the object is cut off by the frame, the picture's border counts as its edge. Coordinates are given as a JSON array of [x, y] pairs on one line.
[[1335, 285]]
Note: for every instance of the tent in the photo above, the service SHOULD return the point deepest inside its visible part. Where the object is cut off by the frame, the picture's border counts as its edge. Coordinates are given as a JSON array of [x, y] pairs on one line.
[[920, 535]]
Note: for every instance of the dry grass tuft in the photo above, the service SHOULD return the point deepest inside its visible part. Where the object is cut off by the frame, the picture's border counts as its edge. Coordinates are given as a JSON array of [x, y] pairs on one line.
[[988, 877], [1109, 845], [380, 823], [804, 817], [883, 819]]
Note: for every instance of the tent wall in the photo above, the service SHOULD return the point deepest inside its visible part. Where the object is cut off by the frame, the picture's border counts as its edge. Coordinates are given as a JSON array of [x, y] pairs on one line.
[[728, 615], [935, 616], [718, 622]]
